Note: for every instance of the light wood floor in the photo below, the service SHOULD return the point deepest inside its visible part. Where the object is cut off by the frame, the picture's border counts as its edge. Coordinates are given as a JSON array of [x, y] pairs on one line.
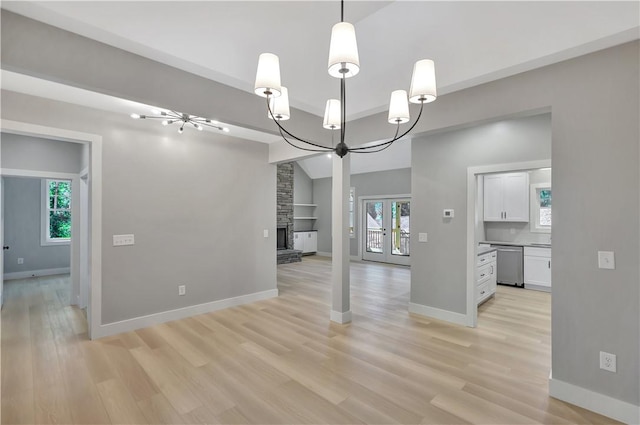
[[282, 361]]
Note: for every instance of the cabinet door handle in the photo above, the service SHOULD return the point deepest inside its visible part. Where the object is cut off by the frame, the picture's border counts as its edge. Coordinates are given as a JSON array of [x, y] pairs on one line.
[[491, 269], [482, 275], [549, 263], [505, 215], [482, 293]]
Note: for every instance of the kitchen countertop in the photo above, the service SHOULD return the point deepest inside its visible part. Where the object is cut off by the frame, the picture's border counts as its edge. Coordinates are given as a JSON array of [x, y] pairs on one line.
[[485, 249], [528, 244]]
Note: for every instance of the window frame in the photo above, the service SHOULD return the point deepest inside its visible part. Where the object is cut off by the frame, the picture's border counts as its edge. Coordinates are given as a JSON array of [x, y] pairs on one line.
[[45, 236], [352, 212], [534, 204]]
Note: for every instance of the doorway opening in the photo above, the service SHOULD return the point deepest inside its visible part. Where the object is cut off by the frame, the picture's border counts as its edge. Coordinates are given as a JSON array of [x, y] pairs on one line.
[[493, 221], [85, 263]]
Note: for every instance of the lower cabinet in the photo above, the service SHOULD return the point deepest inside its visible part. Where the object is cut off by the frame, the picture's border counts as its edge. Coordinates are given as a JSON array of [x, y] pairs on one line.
[[486, 276], [537, 268], [307, 242]]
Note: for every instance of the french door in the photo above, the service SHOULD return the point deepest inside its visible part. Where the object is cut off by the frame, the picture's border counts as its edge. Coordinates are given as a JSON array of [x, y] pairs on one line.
[[386, 235]]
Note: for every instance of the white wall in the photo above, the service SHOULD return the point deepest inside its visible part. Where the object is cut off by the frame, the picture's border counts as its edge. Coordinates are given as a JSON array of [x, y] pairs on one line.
[[196, 219]]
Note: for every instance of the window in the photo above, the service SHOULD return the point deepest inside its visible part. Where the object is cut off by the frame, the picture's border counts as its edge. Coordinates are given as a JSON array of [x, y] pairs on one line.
[[352, 211], [56, 212], [541, 208]]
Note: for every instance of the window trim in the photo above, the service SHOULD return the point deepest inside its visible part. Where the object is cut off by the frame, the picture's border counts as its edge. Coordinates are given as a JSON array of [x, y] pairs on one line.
[[534, 204], [45, 240], [352, 212]]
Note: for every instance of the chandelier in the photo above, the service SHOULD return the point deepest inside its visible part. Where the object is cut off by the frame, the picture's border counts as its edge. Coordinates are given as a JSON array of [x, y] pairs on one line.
[[343, 63], [182, 119]]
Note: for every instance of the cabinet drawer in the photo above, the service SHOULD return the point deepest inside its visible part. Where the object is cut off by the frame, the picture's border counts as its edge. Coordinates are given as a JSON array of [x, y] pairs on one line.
[[484, 259], [482, 292], [483, 273], [537, 252]]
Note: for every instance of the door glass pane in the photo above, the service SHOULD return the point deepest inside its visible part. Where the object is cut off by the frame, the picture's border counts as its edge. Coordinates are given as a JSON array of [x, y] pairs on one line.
[[400, 213], [373, 219]]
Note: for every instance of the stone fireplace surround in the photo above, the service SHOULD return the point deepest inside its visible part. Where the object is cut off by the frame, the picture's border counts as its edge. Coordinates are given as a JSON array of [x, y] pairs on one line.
[[284, 213]]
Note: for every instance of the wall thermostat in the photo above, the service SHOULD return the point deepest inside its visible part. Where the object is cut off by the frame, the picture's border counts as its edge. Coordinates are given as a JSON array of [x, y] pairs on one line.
[[447, 213]]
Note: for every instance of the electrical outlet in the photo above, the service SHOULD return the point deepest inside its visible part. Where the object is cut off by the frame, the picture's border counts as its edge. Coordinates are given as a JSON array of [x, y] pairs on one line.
[[20, 260], [607, 361], [182, 290], [121, 240], [422, 237]]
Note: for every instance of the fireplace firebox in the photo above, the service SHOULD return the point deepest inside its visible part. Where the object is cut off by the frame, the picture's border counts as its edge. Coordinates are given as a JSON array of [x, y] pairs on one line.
[[282, 238]]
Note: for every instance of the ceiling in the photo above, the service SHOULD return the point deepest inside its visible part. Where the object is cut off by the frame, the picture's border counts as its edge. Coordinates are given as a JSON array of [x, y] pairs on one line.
[[471, 42]]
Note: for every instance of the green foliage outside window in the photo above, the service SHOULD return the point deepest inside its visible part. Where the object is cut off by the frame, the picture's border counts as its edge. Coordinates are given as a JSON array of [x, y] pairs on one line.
[[59, 209]]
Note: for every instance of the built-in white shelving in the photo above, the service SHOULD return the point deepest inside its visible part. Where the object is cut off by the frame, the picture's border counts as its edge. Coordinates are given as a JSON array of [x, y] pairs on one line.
[[305, 217]]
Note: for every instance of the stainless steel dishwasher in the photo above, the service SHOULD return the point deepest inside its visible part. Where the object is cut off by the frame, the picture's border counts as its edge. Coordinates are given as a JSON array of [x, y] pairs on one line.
[[510, 265]]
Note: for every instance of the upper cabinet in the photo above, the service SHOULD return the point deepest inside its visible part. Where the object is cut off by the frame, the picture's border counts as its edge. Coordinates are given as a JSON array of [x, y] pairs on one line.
[[506, 197]]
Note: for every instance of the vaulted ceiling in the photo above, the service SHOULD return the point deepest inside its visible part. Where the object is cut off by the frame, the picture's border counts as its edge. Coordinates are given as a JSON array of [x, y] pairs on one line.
[[471, 42]]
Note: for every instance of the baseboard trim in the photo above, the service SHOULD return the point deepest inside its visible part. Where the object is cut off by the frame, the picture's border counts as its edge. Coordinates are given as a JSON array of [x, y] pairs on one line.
[[596, 402], [436, 313], [180, 313], [36, 273], [323, 254], [341, 318], [537, 287]]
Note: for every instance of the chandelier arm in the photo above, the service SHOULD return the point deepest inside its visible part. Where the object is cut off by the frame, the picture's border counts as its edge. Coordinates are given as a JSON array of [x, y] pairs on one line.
[[364, 149], [395, 137], [210, 125], [282, 129], [301, 148]]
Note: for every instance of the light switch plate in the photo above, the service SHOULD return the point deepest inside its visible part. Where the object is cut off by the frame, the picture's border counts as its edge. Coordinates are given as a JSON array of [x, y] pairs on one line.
[[20, 260], [265, 232], [122, 240], [422, 237], [606, 260]]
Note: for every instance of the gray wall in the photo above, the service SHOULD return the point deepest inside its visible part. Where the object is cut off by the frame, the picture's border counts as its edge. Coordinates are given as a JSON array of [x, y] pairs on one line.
[[439, 169], [502, 231], [302, 194], [392, 182], [34, 153], [595, 154], [196, 219], [22, 221]]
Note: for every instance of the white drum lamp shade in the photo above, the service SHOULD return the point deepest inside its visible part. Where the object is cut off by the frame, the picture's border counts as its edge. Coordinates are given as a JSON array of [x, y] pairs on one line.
[[398, 107], [423, 82], [343, 51], [332, 115], [268, 75], [280, 105]]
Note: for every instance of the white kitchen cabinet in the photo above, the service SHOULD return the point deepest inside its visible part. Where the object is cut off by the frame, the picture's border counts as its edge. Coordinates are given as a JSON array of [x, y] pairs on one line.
[[486, 276], [537, 268], [506, 197], [307, 242]]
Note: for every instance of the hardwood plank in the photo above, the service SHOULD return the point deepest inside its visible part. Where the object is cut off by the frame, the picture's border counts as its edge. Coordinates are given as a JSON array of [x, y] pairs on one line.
[[51, 405], [18, 408], [158, 410], [171, 385], [120, 405]]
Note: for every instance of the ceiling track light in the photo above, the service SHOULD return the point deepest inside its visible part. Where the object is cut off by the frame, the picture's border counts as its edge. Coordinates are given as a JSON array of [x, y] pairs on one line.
[[172, 117], [344, 63]]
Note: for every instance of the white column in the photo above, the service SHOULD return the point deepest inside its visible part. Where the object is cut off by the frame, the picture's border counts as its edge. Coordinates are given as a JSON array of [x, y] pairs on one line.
[[340, 291]]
